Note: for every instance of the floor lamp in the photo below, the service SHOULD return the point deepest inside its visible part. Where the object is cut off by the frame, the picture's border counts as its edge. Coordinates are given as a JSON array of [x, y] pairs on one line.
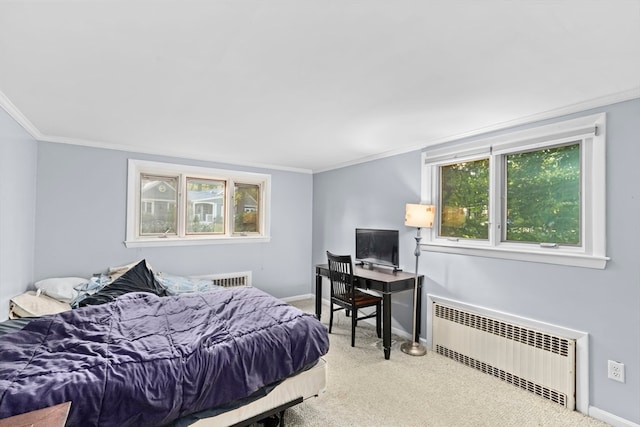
[[420, 216]]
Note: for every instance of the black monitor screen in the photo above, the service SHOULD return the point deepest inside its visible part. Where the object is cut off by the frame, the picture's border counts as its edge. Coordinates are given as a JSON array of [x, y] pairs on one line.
[[377, 246]]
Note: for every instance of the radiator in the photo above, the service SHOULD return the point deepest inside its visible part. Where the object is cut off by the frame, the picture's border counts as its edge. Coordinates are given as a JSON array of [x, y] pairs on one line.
[[229, 280], [536, 361]]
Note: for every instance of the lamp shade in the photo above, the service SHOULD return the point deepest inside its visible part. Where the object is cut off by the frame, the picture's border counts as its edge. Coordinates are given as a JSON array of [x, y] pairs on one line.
[[421, 216]]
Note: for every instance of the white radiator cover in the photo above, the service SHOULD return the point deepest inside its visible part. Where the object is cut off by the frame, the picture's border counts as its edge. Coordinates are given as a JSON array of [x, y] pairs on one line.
[[534, 360]]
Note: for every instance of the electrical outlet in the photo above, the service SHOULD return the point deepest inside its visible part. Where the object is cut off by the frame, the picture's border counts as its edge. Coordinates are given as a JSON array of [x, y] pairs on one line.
[[616, 371]]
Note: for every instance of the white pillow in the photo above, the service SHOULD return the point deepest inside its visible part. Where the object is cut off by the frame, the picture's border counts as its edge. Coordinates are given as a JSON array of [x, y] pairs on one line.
[[30, 304], [61, 288]]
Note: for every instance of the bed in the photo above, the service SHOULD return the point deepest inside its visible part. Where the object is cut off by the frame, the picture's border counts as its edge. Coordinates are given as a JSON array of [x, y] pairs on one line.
[[220, 357]]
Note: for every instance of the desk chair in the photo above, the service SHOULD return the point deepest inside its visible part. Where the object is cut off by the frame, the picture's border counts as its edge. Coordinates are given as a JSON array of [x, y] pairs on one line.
[[347, 297]]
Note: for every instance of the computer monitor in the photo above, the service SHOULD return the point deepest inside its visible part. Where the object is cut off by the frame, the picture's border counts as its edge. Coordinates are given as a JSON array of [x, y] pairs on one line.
[[379, 247]]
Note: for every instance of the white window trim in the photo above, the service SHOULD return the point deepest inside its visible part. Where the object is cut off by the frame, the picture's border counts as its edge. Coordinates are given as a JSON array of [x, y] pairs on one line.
[[138, 167], [592, 254]]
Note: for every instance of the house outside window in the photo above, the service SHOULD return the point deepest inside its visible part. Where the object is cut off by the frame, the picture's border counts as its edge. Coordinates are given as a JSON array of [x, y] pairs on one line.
[[171, 204], [159, 198], [205, 206], [535, 195], [246, 202]]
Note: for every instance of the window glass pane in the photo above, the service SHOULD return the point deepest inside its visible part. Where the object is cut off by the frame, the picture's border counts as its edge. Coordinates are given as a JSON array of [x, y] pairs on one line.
[[543, 196], [158, 200], [246, 198], [465, 200], [205, 206]]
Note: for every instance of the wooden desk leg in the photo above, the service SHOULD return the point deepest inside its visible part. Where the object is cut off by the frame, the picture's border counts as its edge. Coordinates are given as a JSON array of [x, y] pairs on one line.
[[386, 324], [318, 296]]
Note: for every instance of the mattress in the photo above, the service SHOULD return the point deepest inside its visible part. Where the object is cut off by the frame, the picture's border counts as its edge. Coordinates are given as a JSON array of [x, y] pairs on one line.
[[157, 359], [302, 386]]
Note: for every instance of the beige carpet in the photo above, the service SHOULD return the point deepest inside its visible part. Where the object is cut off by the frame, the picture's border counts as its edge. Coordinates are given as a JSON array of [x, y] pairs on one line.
[[364, 389]]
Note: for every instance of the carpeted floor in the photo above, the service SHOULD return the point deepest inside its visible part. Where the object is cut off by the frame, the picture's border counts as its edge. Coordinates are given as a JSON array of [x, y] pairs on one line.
[[364, 389]]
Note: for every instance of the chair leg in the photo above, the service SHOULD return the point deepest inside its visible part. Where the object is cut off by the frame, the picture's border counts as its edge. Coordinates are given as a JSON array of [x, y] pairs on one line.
[[379, 320], [330, 316], [353, 327]]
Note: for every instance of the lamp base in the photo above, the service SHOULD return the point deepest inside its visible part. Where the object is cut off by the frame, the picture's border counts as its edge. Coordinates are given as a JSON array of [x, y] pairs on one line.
[[413, 349]]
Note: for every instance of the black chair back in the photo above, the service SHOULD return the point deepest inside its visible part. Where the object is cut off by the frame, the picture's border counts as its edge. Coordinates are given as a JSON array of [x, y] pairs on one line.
[[341, 276]]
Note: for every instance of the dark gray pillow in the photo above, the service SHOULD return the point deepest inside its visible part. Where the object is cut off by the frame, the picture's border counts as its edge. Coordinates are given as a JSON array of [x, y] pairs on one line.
[[138, 279]]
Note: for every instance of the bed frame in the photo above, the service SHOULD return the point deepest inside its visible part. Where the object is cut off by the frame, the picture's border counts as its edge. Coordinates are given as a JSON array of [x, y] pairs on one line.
[[288, 393], [272, 405]]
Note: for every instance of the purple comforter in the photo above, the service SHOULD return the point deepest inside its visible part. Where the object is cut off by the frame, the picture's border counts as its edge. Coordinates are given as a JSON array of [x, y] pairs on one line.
[[145, 360]]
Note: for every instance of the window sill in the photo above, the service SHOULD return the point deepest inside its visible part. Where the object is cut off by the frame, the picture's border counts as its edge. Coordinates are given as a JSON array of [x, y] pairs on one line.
[[547, 257], [193, 241]]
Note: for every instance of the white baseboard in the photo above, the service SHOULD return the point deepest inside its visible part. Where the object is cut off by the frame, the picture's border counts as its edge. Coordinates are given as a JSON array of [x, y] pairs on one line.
[[298, 297], [608, 418]]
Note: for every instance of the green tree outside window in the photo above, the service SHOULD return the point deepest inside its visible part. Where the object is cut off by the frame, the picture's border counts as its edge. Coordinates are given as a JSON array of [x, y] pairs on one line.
[[543, 196], [464, 203]]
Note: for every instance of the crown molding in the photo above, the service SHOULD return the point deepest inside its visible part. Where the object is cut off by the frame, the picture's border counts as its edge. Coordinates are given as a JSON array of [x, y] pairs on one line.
[[179, 154], [550, 114], [22, 120], [17, 115]]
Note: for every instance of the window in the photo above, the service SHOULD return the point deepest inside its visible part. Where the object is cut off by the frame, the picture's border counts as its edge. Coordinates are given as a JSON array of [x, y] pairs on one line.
[[159, 199], [246, 200], [535, 195], [206, 206], [464, 198], [543, 196], [169, 204]]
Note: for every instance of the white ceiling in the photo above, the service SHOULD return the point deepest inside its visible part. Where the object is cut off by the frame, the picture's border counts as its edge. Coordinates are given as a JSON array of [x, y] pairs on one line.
[[306, 84]]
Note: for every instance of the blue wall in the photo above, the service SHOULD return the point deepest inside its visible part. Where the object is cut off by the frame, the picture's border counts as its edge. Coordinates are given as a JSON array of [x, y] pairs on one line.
[[604, 303], [81, 216], [18, 157]]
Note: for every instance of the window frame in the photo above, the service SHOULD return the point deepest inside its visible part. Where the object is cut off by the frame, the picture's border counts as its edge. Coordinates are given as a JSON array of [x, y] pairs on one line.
[[438, 224], [138, 168], [590, 130]]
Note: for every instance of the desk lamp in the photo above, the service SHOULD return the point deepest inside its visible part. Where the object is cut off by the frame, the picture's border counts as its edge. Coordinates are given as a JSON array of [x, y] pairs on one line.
[[420, 216]]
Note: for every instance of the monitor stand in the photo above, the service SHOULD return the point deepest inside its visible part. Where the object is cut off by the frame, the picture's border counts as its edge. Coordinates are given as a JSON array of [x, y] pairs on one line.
[[371, 265]]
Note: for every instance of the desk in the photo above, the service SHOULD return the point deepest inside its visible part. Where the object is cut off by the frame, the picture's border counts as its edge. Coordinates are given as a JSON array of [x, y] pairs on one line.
[[53, 416], [383, 280]]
